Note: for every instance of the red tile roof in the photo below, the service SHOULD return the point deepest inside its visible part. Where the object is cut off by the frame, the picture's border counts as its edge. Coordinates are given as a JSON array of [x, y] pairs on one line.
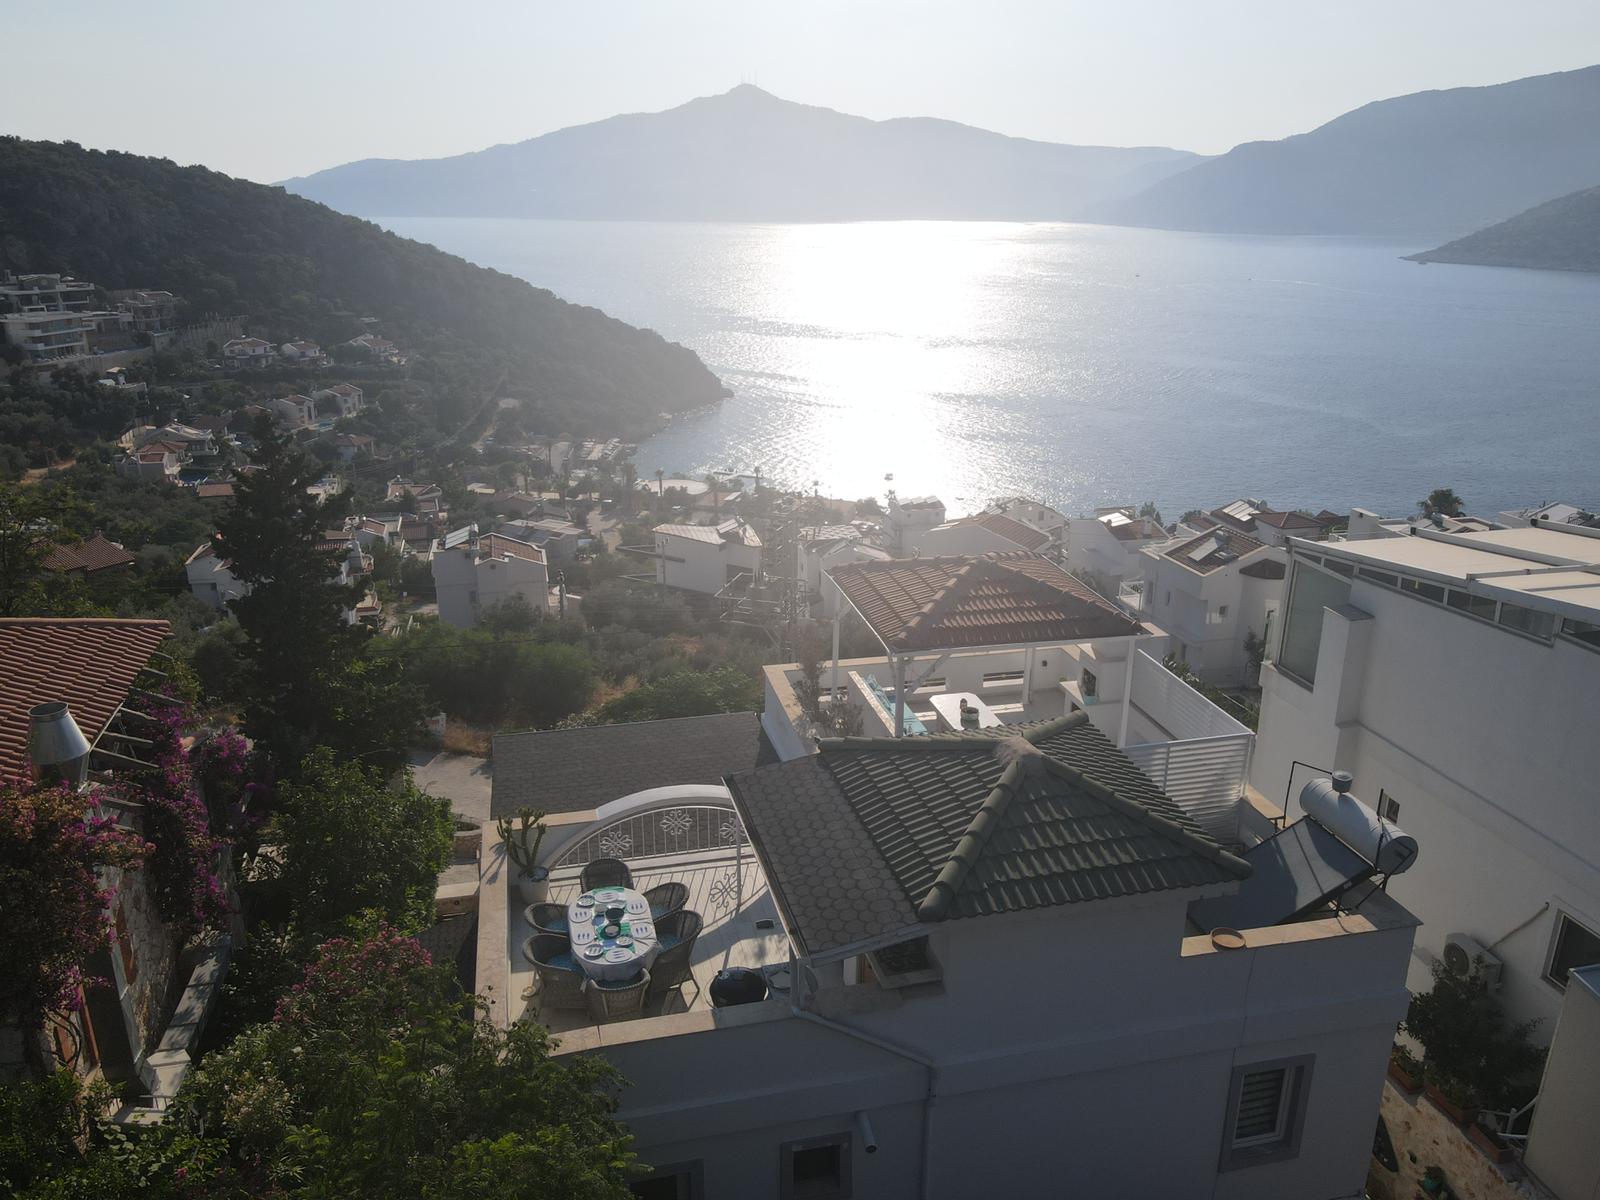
[[214, 491], [1288, 520], [98, 553], [996, 600], [497, 545], [1017, 532], [1215, 548], [90, 662]]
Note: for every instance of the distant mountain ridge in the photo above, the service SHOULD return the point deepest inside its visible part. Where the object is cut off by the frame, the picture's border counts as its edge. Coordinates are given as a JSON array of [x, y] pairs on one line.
[[746, 155], [1432, 164], [1559, 235]]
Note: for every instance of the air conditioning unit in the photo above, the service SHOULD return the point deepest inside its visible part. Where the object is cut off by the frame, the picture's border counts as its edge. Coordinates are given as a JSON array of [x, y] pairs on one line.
[[1462, 950]]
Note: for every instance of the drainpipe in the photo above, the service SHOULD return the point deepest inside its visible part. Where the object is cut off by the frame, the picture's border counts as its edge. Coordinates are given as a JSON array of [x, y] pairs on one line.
[[835, 684], [861, 1035]]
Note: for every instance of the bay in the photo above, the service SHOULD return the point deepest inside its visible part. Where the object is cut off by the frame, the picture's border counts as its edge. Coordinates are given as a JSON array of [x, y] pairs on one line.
[[1091, 365]]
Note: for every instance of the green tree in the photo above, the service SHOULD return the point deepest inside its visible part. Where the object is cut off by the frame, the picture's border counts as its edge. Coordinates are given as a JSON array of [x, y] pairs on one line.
[[294, 616], [685, 694], [378, 1078], [1471, 1050], [347, 842], [1444, 501], [31, 520]]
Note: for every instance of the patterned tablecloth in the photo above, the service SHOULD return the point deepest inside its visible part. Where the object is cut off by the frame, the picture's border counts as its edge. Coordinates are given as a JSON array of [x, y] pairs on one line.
[[613, 937]]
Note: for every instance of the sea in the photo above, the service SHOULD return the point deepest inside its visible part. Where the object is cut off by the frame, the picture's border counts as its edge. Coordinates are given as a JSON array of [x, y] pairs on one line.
[[1090, 365]]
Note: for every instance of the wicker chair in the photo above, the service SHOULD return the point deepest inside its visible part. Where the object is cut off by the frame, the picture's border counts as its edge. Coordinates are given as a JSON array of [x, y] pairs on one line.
[[609, 1001], [606, 872], [672, 968], [560, 978], [548, 918], [666, 898]]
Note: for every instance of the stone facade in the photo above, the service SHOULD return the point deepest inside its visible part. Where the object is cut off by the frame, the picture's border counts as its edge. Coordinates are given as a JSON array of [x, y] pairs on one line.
[[1423, 1137]]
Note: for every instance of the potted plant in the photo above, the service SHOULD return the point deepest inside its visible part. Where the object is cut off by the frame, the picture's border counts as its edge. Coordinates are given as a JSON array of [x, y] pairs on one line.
[[1450, 1096], [1489, 1143], [1433, 1180], [521, 840], [1405, 1070]]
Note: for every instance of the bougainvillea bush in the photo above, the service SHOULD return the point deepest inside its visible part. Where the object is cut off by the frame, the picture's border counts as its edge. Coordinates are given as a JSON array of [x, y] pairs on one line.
[[54, 909]]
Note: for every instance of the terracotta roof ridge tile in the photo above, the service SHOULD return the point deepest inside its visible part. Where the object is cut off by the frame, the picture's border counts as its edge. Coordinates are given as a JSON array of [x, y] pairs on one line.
[[116, 622]]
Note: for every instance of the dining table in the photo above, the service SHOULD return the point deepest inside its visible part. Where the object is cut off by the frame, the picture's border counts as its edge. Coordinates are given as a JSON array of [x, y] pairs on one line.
[[613, 935]]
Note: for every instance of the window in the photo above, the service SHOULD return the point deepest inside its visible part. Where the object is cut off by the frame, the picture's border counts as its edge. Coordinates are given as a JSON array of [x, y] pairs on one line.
[[1222, 610], [680, 1181], [1383, 577], [1310, 591], [815, 1169], [1574, 946], [1168, 601], [1526, 620], [1388, 806], [1581, 631], [1477, 606], [1266, 1111], [1428, 591]]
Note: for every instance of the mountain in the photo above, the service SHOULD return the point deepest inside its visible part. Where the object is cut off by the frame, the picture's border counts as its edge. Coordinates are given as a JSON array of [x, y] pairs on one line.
[[298, 269], [746, 155], [1558, 235], [1432, 164]]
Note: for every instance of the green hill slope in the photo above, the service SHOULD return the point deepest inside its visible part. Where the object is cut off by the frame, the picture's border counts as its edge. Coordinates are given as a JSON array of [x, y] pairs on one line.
[[299, 269], [1560, 235]]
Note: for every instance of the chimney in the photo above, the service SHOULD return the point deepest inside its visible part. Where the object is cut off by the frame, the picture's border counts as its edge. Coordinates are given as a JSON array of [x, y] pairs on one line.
[[59, 751]]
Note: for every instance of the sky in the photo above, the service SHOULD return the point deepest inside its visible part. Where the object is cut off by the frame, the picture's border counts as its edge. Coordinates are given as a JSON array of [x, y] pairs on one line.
[[269, 91]]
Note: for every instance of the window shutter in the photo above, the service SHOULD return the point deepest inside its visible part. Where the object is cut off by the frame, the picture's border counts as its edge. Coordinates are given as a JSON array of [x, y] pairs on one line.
[[1260, 1101]]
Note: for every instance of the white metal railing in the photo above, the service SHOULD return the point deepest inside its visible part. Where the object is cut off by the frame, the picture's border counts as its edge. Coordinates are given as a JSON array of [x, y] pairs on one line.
[[656, 832]]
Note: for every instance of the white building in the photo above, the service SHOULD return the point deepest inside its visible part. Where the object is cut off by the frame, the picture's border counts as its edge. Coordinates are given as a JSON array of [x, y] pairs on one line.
[[157, 461], [339, 399], [248, 352], [981, 977], [706, 558], [294, 412], [1457, 677], [301, 352], [1105, 547], [211, 580], [1033, 512], [1559, 513], [558, 538], [981, 533], [907, 520], [1210, 592], [472, 574]]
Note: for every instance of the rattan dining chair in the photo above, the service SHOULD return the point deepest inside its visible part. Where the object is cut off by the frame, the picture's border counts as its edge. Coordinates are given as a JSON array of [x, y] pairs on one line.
[[606, 872], [561, 980], [616, 1001], [673, 966], [667, 898], [548, 918]]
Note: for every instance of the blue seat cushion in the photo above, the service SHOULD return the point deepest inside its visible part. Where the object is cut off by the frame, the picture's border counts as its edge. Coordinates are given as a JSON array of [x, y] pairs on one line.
[[561, 962], [555, 924], [617, 985], [667, 940]]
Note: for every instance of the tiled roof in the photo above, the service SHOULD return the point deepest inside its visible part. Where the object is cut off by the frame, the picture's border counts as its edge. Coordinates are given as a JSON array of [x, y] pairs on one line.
[[733, 530], [1264, 568], [873, 835], [497, 545], [992, 600], [214, 491], [1213, 549], [1016, 532], [1288, 520], [571, 770], [89, 662], [1138, 529], [97, 553]]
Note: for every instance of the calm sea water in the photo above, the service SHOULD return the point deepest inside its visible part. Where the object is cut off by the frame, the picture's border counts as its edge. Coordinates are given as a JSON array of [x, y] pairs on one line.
[[1089, 365]]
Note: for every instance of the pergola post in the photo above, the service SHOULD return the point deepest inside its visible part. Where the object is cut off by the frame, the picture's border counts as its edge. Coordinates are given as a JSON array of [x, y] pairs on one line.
[[899, 696], [837, 613], [1127, 694]]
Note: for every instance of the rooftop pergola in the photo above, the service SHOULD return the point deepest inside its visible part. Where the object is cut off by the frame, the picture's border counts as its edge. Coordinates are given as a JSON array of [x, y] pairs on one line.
[[919, 607]]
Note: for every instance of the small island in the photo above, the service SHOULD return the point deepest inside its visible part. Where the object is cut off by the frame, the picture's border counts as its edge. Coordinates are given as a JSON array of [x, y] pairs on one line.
[[1559, 235]]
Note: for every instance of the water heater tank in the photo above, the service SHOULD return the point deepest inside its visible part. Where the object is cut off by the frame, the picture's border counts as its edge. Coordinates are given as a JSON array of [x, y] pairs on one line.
[[1382, 843]]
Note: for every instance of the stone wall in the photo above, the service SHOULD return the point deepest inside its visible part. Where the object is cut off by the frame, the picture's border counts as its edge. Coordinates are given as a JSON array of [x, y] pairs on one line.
[[145, 940], [1423, 1137]]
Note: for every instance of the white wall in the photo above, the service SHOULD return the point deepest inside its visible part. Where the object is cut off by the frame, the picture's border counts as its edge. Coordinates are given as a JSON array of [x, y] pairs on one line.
[[467, 585], [1486, 740], [1102, 1070], [1189, 606], [704, 565]]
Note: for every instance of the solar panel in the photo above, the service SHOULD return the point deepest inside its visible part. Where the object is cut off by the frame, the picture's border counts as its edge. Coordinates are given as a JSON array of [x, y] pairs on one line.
[[1297, 869], [1204, 550], [457, 537]]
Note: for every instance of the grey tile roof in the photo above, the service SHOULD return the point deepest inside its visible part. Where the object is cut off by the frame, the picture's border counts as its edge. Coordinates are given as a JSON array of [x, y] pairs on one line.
[[569, 770], [872, 831]]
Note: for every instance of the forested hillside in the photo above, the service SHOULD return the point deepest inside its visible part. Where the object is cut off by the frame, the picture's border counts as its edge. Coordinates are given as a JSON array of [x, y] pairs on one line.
[[1559, 235], [298, 269]]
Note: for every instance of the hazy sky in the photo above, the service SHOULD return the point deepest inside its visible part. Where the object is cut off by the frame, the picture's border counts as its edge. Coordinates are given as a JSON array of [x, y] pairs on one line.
[[270, 90]]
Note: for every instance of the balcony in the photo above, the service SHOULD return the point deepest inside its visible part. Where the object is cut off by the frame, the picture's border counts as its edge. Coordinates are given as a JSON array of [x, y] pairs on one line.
[[1190, 748]]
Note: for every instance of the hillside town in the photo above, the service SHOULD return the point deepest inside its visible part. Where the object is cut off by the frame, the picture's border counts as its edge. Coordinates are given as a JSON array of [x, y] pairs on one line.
[[845, 831]]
